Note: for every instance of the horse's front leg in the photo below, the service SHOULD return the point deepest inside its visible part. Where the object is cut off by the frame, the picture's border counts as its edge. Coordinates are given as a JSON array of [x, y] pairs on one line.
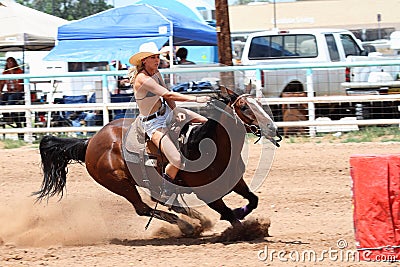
[[242, 189], [226, 213]]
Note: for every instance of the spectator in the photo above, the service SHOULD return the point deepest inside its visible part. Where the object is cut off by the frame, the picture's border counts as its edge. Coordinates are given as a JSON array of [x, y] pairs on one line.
[[123, 85], [181, 54], [15, 92], [164, 63], [88, 118], [164, 57], [15, 88]]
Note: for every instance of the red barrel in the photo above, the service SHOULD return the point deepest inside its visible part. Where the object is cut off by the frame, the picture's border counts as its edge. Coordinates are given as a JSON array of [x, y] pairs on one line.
[[376, 200]]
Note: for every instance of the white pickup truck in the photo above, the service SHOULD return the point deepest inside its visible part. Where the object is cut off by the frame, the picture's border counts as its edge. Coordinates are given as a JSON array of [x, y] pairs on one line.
[[302, 46], [382, 79]]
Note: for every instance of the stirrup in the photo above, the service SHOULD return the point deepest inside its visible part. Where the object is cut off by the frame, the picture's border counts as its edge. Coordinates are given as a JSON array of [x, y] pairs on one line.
[[168, 191]]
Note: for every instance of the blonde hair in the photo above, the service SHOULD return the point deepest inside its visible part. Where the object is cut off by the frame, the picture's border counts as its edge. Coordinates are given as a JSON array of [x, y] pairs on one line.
[[133, 72]]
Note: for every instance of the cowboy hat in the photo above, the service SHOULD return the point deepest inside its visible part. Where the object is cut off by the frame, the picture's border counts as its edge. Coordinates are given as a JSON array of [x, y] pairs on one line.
[[145, 50]]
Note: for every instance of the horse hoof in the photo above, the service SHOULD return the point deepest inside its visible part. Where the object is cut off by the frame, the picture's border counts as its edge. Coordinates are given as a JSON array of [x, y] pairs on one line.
[[236, 224], [186, 228], [239, 213]]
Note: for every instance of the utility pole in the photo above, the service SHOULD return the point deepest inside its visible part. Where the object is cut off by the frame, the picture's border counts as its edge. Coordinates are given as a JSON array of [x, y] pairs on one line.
[[275, 14], [379, 18], [224, 40]]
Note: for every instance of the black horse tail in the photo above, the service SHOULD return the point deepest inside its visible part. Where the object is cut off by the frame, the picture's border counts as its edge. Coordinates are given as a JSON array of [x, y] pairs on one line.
[[56, 153]]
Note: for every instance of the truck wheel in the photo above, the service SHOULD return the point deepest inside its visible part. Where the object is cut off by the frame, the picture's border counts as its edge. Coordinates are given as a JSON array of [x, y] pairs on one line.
[[293, 87]]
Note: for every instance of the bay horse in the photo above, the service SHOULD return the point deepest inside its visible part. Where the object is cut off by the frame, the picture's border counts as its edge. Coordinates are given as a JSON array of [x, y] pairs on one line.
[[230, 115]]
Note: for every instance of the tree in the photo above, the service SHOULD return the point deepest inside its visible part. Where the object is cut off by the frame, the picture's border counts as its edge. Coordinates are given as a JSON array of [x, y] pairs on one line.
[[67, 9], [223, 32], [224, 40]]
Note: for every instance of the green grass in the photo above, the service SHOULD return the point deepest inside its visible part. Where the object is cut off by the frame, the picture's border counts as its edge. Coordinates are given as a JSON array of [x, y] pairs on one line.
[[365, 134], [374, 134], [10, 144]]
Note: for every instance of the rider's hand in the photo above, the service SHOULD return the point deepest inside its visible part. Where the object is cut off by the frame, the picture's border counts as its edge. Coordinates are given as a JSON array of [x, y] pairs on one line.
[[203, 99]]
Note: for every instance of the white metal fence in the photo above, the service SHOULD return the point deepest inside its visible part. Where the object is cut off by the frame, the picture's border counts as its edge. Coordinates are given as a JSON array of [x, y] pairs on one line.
[[101, 85]]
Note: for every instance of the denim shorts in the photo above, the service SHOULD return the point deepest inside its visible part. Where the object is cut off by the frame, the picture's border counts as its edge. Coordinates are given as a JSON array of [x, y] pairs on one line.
[[158, 122]]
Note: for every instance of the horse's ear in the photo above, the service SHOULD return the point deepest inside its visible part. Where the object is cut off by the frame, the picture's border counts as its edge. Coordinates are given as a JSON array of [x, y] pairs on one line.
[[225, 92]]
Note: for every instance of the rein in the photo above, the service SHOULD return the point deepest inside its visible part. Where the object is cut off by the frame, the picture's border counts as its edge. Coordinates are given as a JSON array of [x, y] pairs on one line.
[[237, 99], [221, 110], [253, 128]]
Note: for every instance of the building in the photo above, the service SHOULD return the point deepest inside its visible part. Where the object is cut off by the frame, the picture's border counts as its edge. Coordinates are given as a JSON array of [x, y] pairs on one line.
[[368, 19]]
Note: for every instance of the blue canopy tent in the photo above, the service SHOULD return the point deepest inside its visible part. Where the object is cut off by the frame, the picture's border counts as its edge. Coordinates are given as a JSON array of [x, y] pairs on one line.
[[198, 54], [176, 5], [117, 33]]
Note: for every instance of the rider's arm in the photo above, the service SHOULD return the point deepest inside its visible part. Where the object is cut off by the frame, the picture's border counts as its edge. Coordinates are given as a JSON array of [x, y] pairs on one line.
[[170, 102], [151, 85], [185, 98]]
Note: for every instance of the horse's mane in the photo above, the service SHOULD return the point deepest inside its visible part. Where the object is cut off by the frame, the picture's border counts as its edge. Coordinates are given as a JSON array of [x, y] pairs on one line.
[[206, 130]]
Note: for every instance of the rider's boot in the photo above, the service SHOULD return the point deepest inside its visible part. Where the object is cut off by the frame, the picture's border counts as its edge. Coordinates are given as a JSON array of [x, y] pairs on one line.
[[168, 188]]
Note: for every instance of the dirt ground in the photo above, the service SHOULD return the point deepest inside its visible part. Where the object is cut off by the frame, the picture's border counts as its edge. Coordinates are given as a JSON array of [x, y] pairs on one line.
[[306, 196]]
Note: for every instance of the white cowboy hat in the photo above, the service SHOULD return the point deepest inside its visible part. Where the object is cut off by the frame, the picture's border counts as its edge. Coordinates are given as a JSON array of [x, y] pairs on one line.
[[145, 50]]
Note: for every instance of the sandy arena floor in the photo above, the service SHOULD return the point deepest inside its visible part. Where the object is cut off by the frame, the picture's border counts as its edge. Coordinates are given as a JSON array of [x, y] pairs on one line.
[[307, 197]]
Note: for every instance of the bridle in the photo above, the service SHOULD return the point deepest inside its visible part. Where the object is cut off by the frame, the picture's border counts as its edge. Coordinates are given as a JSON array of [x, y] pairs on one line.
[[254, 129]]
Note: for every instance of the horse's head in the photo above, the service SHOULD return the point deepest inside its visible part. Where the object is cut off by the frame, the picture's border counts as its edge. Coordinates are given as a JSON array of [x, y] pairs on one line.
[[252, 114]]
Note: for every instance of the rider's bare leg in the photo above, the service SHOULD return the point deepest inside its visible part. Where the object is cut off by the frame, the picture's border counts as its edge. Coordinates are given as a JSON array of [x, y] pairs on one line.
[[174, 162], [171, 170], [170, 151]]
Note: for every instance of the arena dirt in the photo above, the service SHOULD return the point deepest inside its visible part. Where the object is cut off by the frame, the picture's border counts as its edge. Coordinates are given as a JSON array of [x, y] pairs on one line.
[[306, 197]]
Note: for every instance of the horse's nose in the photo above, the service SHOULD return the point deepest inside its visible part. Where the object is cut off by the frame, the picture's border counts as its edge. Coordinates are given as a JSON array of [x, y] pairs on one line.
[[272, 127]]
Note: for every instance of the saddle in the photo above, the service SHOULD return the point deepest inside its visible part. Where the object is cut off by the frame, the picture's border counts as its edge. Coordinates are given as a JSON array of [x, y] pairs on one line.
[[138, 144], [138, 150]]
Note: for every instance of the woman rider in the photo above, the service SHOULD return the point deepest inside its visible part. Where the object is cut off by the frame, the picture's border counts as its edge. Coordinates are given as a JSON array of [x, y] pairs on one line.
[[155, 103]]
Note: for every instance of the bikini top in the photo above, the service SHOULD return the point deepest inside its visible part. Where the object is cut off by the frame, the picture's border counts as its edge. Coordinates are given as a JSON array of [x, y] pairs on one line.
[[149, 94]]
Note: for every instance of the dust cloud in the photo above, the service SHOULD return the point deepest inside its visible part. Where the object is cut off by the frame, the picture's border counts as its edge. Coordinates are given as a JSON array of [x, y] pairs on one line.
[[28, 224]]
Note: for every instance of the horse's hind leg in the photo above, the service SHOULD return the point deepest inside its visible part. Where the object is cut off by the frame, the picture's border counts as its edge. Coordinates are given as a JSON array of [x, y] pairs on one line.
[[194, 214], [242, 189], [185, 227], [130, 192]]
